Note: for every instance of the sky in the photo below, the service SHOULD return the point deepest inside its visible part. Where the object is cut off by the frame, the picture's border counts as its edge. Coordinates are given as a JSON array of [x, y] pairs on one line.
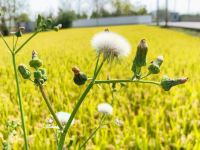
[[51, 6]]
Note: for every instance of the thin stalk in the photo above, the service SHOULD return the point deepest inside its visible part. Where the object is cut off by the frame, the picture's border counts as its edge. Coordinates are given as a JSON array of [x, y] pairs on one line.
[[93, 133], [16, 43], [20, 101], [146, 75], [34, 34], [125, 80], [6, 43], [81, 99], [49, 107]]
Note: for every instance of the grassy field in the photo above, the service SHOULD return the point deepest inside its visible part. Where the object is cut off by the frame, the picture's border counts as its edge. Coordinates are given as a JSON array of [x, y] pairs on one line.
[[153, 118]]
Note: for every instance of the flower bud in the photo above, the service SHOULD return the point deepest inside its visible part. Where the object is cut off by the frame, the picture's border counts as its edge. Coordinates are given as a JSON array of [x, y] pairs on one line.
[[35, 62], [168, 83], [44, 75], [140, 58], [37, 74], [26, 74], [79, 77], [18, 33], [154, 67], [58, 27]]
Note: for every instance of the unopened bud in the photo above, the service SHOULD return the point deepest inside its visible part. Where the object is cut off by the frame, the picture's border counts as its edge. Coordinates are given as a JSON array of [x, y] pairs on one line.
[[154, 67], [58, 27], [79, 77], [18, 33], [21, 28], [168, 83], [140, 58], [37, 74], [26, 74], [35, 62], [44, 74]]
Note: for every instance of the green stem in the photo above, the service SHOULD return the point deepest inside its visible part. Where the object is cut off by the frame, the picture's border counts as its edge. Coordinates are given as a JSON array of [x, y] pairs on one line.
[[125, 80], [146, 75], [49, 107], [81, 99], [6, 43], [34, 34], [93, 133], [20, 101]]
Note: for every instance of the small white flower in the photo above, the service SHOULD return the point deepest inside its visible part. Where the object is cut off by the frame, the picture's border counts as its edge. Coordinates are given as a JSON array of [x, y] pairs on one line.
[[110, 44], [63, 117], [119, 122], [105, 108]]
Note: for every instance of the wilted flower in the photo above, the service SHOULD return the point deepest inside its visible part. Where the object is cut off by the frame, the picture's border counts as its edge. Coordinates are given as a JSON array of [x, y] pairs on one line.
[[105, 108], [110, 44], [167, 83], [63, 117], [79, 77]]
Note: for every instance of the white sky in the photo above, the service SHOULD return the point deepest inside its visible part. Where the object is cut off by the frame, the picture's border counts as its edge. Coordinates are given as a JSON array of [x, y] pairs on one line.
[[51, 6]]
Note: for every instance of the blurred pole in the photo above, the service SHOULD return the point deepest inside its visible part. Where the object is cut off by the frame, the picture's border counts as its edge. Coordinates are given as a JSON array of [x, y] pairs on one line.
[[79, 8], [166, 13], [97, 13], [157, 14], [188, 6]]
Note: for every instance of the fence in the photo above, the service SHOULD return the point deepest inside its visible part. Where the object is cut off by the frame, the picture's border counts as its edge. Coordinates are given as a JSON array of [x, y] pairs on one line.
[[147, 19]]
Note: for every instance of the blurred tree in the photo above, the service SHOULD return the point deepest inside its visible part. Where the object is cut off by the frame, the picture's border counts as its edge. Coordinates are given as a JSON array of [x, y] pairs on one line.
[[11, 9], [23, 17], [65, 18]]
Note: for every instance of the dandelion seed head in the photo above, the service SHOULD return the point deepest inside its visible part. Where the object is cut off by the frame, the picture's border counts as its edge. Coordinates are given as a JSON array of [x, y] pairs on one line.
[[63, 117], [105, 108], [110, 44]]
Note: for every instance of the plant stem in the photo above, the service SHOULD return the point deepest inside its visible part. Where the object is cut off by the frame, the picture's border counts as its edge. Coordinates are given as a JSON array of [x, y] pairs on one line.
[[6, 43], [125, 80], [81, 99], [49, 107], [93, 133], [34, 34], [146, 75], [20, 101]]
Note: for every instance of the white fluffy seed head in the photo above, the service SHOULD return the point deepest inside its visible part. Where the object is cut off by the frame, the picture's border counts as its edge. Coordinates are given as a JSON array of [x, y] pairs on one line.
[[160, 58], [105, 108], [110, 43], [63, 117]]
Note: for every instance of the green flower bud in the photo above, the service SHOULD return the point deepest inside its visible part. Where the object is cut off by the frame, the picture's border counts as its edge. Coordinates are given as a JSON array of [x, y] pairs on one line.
[[140, 58], [38, 81], [154, 67], [44, 75], [18, 33], [79, 77], [35, 62], [26, 74], [167, 83], [37, 74]]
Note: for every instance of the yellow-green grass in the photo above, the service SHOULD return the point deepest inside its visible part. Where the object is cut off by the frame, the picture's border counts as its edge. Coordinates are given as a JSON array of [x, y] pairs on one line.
[[153, 118]]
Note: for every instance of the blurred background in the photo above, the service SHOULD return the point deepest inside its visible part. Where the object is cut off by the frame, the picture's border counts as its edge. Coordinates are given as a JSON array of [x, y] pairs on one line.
[[85, 13]]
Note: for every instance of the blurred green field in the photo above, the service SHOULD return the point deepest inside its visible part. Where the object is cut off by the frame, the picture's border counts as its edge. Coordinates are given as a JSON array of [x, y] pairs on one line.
[[153, 118]]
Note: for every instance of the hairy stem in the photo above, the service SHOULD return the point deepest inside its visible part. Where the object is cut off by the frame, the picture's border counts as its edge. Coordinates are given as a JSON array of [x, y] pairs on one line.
[[125, 80], [81, 99], [20, 101], [93, 133], [49, 107]]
